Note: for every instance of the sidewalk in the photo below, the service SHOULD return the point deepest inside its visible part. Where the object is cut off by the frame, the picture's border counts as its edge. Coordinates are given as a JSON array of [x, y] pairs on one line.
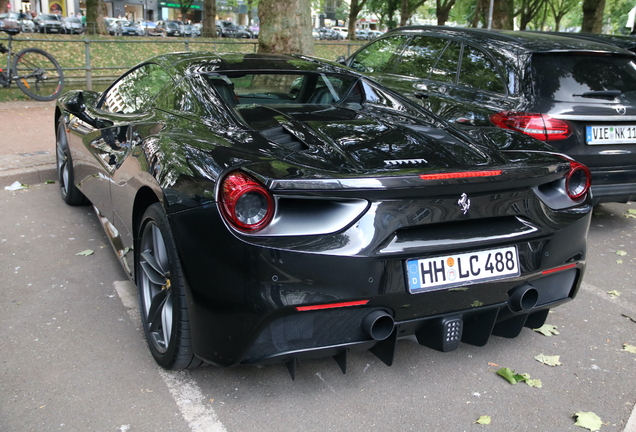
[[27, 142]]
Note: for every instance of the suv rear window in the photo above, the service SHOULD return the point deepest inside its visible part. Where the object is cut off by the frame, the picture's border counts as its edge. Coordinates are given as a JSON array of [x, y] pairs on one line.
[[563, 76]]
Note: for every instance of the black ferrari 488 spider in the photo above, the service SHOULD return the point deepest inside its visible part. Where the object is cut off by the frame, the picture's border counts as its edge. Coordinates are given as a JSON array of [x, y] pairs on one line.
[[272, 208]]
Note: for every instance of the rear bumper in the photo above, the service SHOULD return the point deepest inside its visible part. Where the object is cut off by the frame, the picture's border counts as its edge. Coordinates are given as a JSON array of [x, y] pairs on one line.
[[616, 184], [620, 193], [336, 332]]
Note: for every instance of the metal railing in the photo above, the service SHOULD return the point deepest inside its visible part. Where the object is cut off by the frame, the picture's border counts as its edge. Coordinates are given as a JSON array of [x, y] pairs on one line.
[[91, 71]]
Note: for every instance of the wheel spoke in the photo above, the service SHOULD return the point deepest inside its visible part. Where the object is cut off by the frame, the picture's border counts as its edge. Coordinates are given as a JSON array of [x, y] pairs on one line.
[[152, 270], [160, 252], [156, 310]]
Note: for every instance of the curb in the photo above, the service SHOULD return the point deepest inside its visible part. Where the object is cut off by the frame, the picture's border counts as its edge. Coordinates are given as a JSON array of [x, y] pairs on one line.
[[29, 176]]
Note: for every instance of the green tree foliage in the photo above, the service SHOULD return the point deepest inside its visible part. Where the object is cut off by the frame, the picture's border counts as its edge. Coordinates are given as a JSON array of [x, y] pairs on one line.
[[559, 9]]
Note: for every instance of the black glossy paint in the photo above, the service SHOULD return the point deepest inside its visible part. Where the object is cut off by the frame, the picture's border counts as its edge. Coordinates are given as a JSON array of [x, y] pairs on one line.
[[508, 60], [351, 209]]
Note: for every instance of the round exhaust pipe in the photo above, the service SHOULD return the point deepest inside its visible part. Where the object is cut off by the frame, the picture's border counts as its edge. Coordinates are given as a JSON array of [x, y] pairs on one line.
[[523, 298], [378, 324]]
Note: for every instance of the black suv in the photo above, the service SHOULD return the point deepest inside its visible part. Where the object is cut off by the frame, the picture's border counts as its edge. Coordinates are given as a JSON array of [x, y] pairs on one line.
[[578, 95]]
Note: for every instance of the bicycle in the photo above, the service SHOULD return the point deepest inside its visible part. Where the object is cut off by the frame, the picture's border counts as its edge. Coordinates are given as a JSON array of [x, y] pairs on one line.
[[35, 71]]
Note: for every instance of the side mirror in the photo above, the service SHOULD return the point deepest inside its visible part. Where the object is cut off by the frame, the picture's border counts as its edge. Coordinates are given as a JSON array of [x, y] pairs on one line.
[[76, 105]]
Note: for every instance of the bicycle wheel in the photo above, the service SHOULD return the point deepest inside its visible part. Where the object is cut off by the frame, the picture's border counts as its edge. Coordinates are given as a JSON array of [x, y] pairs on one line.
[[38, 74]]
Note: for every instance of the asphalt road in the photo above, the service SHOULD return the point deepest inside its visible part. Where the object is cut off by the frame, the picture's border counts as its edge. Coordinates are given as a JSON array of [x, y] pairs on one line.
[[73, 356]]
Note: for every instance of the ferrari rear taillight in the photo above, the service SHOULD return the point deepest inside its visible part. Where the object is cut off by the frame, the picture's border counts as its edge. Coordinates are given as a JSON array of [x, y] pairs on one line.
[[578, 180], [540, 126], [245, 202]]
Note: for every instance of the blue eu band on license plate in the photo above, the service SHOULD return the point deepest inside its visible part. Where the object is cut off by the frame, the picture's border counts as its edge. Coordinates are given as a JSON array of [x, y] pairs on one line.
[[450, 271]]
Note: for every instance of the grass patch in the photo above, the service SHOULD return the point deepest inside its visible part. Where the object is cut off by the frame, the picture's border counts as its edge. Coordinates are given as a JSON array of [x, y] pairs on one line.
[[116, 54]]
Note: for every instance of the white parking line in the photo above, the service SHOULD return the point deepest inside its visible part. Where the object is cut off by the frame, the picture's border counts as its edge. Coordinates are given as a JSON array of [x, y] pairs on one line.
[[184, 390]]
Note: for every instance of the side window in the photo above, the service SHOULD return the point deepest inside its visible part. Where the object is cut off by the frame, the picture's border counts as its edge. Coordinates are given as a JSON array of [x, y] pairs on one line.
[[135, 90], [478, 71], [420, 56], [446, 68], [377, 56]]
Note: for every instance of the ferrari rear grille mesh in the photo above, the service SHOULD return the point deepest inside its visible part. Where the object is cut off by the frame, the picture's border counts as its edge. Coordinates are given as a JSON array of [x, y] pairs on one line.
[[310, 330]]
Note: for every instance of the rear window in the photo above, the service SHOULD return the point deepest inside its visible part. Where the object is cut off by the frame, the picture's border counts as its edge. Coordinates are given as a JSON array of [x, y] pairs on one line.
[[566, 77]]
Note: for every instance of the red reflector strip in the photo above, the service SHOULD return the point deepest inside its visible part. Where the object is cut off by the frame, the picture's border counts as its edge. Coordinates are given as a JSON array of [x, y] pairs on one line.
[[558, 269], [331, 305], [464, 174]]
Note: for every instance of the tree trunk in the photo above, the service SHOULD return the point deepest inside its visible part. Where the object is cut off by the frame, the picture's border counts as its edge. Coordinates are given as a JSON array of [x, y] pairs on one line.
[[404, 13], [95, 18], [478, 14], [443, 11], [503, 15], [209, 16], [354, 10], [285, 27], [593, 16]]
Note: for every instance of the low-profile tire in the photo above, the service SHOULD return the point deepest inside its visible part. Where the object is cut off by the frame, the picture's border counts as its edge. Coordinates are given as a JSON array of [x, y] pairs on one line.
[[65, 172], [162, 300]]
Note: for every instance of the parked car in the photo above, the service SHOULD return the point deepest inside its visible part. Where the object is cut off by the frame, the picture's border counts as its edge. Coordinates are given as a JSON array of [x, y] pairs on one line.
[[148, 28], [13, 20], [73, 25], [229, 30], [275, 207], [342, 31], [49, 23], [9, 25], [622, 41], [169, 28], [189, 30], [328, 34], [123, 27], [577, 95]]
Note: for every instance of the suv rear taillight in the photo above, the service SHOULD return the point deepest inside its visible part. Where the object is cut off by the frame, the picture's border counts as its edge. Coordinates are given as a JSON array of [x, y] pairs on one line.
[[540, 126], [245, 202], [578, 180]]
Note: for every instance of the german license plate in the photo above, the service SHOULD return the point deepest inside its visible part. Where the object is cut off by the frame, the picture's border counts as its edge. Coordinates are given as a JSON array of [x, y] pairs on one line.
[[449, 271], [610, 134]]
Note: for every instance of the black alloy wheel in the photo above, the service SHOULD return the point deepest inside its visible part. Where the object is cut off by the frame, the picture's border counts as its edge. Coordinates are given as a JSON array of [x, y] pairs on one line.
[[162, 300], [65, 173]]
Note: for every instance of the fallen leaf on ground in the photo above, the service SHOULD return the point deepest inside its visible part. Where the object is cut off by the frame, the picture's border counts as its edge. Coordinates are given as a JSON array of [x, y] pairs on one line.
[[588, 420], [629, 348], [620, 252], [86, 252], [476, 303], [483, 420], [548, 360], [547, 330], [614, 293], [534, 383], [510, 375], [493, 364]]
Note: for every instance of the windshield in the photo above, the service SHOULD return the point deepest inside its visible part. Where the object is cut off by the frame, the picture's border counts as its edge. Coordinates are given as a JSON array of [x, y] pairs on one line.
[[577, 77]]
